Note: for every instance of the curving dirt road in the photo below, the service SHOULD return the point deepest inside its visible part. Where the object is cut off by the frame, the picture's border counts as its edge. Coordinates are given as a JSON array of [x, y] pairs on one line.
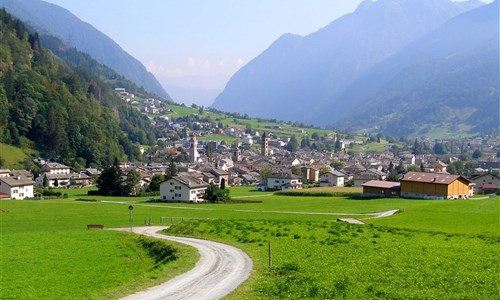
[[219, 271]]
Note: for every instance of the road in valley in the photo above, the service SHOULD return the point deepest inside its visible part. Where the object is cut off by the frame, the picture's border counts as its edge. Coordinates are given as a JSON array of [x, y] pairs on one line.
[[219, 271]]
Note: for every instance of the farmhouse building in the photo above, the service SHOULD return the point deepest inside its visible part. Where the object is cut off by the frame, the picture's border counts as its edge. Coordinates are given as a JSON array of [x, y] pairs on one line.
[[16, 188], [183, 188], [332, 178], [435, 186], [486, 183], [284, 181], [381, 188], [55, 168]]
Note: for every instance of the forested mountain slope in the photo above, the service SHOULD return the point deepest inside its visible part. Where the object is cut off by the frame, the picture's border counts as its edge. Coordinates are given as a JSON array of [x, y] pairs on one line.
[[448, 79], [50, 19], [64, 112]]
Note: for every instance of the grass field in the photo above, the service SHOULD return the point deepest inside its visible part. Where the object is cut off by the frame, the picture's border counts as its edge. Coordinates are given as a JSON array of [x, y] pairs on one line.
[[432, 249]]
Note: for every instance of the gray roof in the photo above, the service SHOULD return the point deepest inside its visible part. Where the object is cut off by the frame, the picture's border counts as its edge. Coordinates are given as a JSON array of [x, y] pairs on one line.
[[337, 173], [285, 176], [16, 181], [191, 182]]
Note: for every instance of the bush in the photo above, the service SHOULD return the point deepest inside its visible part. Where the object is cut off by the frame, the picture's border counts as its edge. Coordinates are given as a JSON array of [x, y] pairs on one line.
[[50, 193], [312, 194], [149, 194], [94, 193]]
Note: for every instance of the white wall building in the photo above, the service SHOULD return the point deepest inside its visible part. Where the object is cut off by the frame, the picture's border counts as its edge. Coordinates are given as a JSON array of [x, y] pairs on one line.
[[284, 182], [183, 188], [332, 178], [55, 168], [16, 188]]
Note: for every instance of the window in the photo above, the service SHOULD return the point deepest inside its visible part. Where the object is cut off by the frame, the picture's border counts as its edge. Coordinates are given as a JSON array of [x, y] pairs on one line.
[[15, 191], [171, 191]]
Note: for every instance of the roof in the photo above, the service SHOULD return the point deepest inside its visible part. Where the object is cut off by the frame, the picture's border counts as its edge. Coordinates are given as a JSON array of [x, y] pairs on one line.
[[336, 173], [219, 172], [431, 178], [190, 182], [53, 166], [17, 181], [382, 184], [285, 176], [488, 186]]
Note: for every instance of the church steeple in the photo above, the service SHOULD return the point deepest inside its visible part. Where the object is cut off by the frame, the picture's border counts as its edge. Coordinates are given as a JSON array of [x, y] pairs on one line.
[[193, 149], [264, 147]]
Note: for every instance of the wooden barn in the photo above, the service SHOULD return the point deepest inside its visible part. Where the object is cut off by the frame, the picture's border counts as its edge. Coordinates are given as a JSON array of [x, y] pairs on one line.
[[381, 188], [435, 186]]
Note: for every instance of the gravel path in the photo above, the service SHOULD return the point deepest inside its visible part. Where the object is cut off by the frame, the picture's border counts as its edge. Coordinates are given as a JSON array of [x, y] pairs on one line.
[[219, 271]]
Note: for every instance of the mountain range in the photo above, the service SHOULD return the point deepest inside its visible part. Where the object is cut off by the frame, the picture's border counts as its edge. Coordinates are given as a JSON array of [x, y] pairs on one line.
[[53, 20], [341, 73]]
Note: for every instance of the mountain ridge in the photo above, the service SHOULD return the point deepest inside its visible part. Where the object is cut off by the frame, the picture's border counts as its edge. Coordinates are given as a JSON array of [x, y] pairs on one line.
[[47, 18], [309, 72]]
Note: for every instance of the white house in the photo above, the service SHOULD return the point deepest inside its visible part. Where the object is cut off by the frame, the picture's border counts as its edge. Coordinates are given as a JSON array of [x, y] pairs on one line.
[[55, 168], [16, 188], [183, 188], [332, 178], [284, 181], [63, 180]]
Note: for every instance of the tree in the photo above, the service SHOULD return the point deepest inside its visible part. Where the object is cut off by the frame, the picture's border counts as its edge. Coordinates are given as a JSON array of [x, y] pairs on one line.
[[45, 181], [223, 184], [477, 154], [172, 170], [109, 182], [293, 144], [265, 173], [401, 168], [338, 146], [132, 183], [413, 168], [337, 165], [393, 176], [324, 170], [56, 182], [154, 185], [440, 149], [214, 194], [391, 167], [422, 167], [296, 170]]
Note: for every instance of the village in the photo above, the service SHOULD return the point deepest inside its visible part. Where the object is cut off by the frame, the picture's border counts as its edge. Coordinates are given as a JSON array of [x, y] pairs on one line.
[[266, 162]]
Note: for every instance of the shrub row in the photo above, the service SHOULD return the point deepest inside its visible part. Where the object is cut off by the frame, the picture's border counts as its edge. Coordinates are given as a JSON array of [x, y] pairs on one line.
[[313, 194]]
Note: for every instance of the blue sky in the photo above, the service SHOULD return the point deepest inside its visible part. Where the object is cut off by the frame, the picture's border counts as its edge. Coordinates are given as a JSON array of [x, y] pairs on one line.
[[201, 43]]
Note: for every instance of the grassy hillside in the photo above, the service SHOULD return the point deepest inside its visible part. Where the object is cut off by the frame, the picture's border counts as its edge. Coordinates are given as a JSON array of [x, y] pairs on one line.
[[13, 157]]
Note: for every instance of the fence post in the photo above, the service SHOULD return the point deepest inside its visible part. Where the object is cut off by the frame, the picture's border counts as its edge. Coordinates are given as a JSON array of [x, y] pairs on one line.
[[270, 254]]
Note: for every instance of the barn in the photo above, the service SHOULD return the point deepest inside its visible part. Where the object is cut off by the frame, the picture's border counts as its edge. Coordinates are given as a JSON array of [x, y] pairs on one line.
[[435, 186]]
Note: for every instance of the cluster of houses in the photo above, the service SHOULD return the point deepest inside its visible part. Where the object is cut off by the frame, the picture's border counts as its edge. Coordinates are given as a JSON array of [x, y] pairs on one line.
[[233, 165]]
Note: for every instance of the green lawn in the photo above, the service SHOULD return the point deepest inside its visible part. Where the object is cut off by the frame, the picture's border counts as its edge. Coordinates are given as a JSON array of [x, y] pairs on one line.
[[432, 249], [48, 253]]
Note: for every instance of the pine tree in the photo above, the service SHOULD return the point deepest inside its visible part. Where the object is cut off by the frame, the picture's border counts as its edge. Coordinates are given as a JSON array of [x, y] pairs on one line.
[[172, 170]]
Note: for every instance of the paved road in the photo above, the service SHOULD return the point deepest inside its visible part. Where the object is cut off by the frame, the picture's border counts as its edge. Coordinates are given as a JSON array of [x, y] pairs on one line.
[[219, 271]]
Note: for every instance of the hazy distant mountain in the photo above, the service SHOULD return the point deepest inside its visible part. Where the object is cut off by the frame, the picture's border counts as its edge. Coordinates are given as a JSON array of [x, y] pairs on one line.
[[188, 96], [53, 20], [449, 79], [297, 77]]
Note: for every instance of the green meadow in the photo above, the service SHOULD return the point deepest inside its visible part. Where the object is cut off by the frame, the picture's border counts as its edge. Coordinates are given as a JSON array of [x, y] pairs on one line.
[[430, 249]]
